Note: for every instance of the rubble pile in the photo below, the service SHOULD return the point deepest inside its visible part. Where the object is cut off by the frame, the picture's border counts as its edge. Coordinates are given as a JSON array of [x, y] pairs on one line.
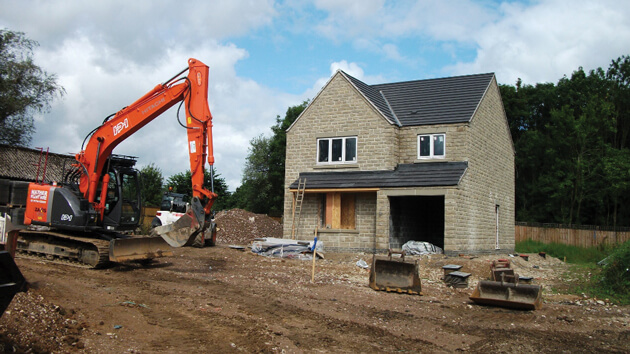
[[33, 323], [241, 227]]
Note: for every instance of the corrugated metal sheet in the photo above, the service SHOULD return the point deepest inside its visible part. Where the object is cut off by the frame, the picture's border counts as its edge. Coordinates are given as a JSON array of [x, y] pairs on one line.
[[19, 163]]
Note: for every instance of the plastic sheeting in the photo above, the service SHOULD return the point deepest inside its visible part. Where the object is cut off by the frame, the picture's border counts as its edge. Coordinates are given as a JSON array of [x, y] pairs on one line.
[[421, 248], [281, 248]]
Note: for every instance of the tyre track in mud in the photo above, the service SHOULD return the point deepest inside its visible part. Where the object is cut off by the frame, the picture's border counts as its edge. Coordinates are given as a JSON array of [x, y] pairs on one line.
[[256, 319], [223, 300]]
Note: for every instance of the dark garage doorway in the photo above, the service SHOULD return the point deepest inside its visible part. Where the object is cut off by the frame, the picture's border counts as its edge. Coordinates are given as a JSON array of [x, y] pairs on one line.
[[417, 218]]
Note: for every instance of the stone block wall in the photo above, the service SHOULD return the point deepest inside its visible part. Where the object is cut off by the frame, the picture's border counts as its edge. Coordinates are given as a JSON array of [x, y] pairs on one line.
[[469, 209], [335, 113], [455, 142], [488, 182]]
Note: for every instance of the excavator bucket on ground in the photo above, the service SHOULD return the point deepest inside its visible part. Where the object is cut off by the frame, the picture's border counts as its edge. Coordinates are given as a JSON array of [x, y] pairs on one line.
[[186, 229], [504, 290], [510, 295], [11, 280], [395, 274]]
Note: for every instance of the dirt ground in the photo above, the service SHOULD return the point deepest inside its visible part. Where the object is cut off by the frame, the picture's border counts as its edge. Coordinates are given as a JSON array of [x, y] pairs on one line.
[[223, 299]]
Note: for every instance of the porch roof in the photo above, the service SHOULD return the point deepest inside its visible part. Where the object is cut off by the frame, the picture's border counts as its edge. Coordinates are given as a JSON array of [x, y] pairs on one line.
[[429, 174]]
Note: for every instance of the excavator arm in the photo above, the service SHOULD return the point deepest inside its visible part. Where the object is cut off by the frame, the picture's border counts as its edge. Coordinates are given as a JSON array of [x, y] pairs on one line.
[[193, 90]]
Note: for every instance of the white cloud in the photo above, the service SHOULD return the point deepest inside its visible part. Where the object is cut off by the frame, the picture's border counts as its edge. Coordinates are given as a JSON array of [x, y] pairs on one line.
[[442, 20], [141, 31], [549, 39], [108, 54]]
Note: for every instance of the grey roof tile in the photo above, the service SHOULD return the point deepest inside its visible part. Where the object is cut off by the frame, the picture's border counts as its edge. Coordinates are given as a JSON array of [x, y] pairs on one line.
[[429, 174], [423, 102]]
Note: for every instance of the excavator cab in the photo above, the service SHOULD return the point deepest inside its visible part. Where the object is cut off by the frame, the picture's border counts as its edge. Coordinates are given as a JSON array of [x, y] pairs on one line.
[[123, 205]]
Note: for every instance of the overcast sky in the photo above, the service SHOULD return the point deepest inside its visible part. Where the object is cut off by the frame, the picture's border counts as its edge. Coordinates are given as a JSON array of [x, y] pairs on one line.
[[265, 56]]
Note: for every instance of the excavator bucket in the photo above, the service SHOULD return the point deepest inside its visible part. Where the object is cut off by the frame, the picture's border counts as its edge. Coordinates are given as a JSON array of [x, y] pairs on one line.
[[395, 275], [184, 230], [510, 295], [138, 248], [11, 280]]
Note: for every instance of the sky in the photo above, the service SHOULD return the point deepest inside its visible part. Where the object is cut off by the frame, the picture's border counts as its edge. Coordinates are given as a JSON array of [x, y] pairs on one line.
[[266, 56]]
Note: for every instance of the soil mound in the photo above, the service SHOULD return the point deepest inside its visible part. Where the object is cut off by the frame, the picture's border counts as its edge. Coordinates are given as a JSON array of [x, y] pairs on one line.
[[241, 227]]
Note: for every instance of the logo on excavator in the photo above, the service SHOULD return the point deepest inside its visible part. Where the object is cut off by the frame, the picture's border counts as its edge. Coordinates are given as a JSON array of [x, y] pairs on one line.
[[120, 126], [39, 196], [66, 217]]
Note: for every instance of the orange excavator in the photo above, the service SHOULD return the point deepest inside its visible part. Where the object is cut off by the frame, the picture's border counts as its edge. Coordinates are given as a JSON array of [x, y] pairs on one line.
[[85, 218]]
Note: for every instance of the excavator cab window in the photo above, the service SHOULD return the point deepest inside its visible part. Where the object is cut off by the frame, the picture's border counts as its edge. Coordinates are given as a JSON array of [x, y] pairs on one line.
[[130, 189], [122, 207], [112, 193]]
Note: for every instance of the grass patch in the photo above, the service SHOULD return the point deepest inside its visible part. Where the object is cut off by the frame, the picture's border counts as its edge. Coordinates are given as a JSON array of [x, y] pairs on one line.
[[609, 281], [573, 254]]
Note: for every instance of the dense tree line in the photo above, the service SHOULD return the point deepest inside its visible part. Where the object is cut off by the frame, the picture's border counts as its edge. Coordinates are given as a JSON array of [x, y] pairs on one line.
[[572, 142]]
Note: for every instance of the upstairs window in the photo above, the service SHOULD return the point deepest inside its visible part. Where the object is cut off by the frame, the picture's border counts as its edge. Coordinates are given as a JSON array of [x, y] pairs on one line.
[[431, 146], [337, 150]]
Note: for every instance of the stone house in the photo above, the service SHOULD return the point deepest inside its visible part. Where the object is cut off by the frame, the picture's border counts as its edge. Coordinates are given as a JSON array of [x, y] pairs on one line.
[[427, 160]]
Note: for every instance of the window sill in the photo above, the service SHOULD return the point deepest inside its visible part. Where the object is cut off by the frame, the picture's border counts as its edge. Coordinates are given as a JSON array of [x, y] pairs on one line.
[[434, 159], [334, 166], [337, 231]]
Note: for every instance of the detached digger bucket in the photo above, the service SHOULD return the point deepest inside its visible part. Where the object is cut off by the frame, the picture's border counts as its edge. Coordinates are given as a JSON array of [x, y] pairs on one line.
[[510, 295], [11, 280], [395, 275]]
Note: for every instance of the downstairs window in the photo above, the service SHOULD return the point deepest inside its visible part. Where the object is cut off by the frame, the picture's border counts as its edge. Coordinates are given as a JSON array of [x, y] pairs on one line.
[[338, 211]]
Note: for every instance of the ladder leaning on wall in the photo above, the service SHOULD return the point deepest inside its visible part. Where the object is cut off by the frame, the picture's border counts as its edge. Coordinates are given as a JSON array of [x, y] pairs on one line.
[[297, 207]]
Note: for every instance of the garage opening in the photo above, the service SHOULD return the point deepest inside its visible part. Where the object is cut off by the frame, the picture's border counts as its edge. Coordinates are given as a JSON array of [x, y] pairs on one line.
[[417, 218]]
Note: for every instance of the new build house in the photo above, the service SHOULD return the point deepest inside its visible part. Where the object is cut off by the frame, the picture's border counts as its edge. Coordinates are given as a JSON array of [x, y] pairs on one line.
[[427, 160]]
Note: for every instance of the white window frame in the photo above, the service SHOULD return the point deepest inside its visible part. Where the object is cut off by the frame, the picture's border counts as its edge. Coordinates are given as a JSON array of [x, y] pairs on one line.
[[343, 150], [431, 146]]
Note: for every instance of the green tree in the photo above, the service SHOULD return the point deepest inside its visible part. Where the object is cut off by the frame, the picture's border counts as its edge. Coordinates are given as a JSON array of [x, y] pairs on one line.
[[255, 191], [152, 180], [25, 89], [262, 188], [277, 156], [619, 75], [181, 183]]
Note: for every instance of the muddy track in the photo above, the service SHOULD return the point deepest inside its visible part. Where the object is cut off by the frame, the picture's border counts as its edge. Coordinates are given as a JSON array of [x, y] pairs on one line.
[[225, 300]]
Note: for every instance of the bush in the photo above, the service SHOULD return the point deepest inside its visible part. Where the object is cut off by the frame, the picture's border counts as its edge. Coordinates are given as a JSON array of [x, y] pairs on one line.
[[614, 279]]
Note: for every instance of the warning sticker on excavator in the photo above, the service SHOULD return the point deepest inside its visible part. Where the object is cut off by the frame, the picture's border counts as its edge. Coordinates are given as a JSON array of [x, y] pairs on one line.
[[193, 147]]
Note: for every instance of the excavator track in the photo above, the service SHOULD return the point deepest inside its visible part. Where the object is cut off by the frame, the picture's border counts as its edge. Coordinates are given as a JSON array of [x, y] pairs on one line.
[[54, 247]]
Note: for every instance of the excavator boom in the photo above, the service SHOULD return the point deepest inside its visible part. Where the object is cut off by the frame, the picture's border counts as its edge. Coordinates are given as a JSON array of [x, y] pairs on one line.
[[193, 90]]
